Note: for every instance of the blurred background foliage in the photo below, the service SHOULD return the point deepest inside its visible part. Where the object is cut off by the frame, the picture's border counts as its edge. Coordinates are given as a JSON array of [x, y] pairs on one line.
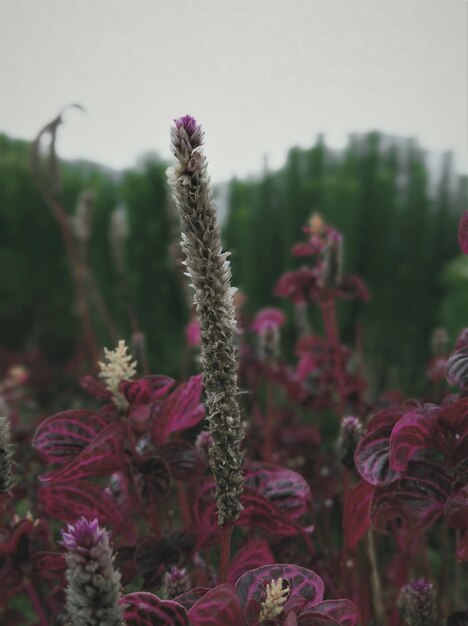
[[398, 215]]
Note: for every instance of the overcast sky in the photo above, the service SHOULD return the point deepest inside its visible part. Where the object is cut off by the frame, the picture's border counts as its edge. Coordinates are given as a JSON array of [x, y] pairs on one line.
[[260, 75]]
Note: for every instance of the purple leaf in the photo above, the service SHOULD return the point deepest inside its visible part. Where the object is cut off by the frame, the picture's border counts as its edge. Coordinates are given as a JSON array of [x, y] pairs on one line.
[[49, 561], [219, 607], [315, 619], [353, 287], [95, 388], [182, 458], [153, 478], [68, 501], [66, 434], [456, 507], [151, 555], [261, 513], [181, 410], [286, 489], [413, 432], [463, 232], [100, 458], [145, 609], [254, 554], [188, 599], [356, 521], [141, 394], [305, 586], [372, 457], [343, 612], [418, 498]]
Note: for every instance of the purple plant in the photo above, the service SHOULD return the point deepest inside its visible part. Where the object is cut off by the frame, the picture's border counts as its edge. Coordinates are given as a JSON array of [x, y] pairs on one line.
[[417, 603]]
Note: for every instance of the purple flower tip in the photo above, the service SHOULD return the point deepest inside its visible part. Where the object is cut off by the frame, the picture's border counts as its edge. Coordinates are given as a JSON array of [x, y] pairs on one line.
[[268, 318], [188, 123], [82, 535]]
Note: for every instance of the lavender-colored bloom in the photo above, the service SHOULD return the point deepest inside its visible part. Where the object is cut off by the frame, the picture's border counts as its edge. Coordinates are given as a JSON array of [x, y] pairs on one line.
[[209, 270], [93, 584], [176, 582], [351, 433], [417, 603]]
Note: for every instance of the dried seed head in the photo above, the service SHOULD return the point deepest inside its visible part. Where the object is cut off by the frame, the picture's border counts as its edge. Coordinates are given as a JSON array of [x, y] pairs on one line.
[[119, 367], [6, 462], [351, 433], [417, 603], [93, 588], [277, 592], [209, 271], [332, 264]]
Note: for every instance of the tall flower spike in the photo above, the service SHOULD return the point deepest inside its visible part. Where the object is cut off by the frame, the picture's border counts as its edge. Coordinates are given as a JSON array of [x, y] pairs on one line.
[[209, 271], [119, 367], [5, 456], [417, 603], [351, 432], [93, 588]]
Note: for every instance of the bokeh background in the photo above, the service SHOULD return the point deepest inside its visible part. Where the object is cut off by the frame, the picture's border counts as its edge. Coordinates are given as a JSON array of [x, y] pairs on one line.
[[353, 109]]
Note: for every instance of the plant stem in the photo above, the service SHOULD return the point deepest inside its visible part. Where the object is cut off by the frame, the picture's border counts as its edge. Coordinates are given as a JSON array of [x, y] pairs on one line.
[[226, 534], [329, 322], [375, 580], [32, 593]]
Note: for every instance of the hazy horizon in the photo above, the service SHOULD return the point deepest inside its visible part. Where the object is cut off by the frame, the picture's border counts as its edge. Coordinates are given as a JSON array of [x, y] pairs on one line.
[[259, 76]]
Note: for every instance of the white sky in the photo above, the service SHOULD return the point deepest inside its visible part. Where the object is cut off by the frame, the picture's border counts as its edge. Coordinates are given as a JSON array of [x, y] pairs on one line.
[[260, 75]]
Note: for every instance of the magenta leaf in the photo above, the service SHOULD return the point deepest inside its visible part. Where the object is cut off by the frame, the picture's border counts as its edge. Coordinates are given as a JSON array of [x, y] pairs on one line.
[[261, 513], [188, 599], [68, 501], [153, 478], [146, 609], [418, 498], [305, 586], [49, 561], [356, 521], [182, 458], [462, 548], [463, 232], [101, 457], [343, 612], [315, 619], [66, 434], [218, 607], [372, 457], [254, 554], [284, 488], [181, 410], [95, 388], [146, 390], [352, 287], [413, 432], [456, 507]]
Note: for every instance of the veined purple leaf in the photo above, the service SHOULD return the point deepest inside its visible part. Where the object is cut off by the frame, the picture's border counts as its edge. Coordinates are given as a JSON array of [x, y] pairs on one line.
[[49, 561], [66, 434], [202, 506], [418, 498], [152, 555], [353, 287], [181, 410], [219, 607], [455, 416], [413, 432], [95, 388], [305, 586], [284, 488], [153, 478], [356, 520], [142, 394], [182, 458], [372, 457], [315, 619], [261, 513], [344, 612], [254, 554], [68, 501], [463, 232], [146, 609], [188, 599], [387, 417], [100, 458], [456, 507], [462, 548]]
